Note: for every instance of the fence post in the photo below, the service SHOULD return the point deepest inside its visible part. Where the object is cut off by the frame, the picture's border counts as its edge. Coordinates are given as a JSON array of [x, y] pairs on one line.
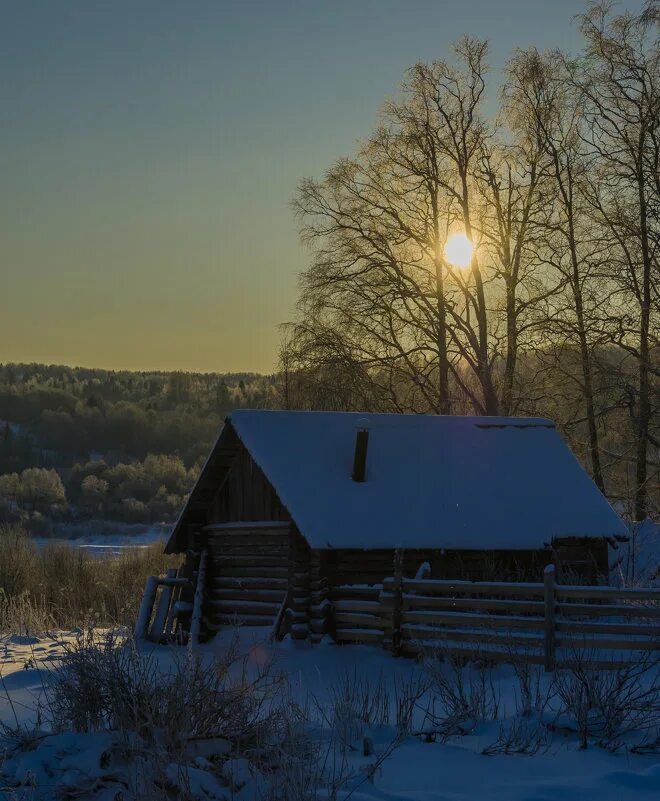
[[196, 619], [549, 601], [397, 601]]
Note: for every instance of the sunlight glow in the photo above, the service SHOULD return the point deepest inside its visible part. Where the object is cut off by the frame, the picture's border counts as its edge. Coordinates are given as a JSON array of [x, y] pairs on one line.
[[459, 250]]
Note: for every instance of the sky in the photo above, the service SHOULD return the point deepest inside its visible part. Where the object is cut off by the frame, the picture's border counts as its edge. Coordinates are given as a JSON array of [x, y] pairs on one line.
[[149, 151]]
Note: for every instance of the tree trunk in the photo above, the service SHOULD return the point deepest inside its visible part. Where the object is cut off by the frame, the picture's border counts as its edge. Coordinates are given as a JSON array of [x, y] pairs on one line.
[[444, 401], [511, 350], [644, 412], [585, 358]]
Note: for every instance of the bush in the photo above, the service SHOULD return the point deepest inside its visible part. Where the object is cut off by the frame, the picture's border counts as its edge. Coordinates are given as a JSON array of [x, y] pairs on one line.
[[464, 696], [608, 704], [107, 684]]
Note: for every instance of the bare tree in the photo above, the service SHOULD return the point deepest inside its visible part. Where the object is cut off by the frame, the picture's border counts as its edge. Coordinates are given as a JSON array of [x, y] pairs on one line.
[[378, 224], [510, 179], [619, 89], [540, 89], [559, 311]]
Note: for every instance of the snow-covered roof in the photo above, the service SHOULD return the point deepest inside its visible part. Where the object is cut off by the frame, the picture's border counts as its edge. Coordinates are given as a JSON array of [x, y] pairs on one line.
[[431, 481]]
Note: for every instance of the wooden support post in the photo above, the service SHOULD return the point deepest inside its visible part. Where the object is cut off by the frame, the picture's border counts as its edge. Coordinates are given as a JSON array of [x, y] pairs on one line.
[[279, 629], [160, 618], [171, 615], [146, 606], [318, 598], [549, 601], [397, 605], [196, 620]]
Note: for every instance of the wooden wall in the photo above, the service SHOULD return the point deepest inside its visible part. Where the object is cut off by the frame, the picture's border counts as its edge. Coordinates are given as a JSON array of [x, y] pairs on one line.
[[580, 561], [246, 495]]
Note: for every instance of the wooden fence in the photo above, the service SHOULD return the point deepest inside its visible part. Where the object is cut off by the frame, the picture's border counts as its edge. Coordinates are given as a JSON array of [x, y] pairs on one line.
[[544, 623]]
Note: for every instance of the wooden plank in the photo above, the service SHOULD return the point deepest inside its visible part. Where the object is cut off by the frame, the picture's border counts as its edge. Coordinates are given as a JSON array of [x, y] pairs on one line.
[[507, 606], [629, 629], [162, 610], [247, 541], [249, 582], [444, 587], [338, 593], [245, 607], [608, 610], [220, 551], [278, 630], [242, 620], [358, 606], [252, 536], [613, 593], [255, 572], [353, 619], [246, 593], [249, 525], [595, 642], [467, 619], [173, 581], [418, 632], [220, 563]]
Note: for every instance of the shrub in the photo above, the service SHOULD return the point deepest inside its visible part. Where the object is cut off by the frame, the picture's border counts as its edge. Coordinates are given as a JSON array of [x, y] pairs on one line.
[[107, 684], [463, 695], [610, 703]]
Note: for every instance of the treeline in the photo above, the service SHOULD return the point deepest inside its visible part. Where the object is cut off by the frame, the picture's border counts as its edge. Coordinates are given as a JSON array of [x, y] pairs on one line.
[[557, 311], [149, 491], [78, 442]]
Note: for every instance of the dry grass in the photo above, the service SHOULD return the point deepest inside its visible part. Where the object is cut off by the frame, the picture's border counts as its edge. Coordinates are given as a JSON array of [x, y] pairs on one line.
[[59, 586], [104, 683]]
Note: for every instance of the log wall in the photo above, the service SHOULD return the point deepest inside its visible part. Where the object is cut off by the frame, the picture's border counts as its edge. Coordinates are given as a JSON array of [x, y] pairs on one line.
[[246, 494]]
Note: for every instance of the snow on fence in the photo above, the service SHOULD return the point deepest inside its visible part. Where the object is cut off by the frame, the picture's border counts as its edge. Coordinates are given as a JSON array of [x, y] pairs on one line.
[[543, 623]]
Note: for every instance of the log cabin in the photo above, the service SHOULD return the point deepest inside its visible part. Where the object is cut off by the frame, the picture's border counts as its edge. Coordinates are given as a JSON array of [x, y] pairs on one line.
[[295, 510]]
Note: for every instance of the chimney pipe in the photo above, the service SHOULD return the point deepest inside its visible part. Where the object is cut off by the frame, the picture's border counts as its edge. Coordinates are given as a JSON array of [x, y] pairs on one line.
[[360, 459]]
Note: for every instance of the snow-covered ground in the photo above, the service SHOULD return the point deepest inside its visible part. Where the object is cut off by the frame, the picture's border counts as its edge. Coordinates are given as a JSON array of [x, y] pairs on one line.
[[83, 766]]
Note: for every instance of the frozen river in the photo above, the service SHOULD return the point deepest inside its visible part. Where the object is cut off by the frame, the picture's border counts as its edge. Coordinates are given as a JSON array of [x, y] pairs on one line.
[[104, 538]]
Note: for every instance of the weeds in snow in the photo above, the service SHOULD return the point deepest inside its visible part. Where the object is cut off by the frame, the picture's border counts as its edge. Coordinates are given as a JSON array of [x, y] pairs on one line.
[[534, 693], [520, 735], [360, 702], [463, 696], [608, 704], [104, 684]]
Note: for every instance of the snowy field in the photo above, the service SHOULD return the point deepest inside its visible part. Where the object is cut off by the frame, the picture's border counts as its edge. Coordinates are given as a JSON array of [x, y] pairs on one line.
[[339, 732], [413, 766]]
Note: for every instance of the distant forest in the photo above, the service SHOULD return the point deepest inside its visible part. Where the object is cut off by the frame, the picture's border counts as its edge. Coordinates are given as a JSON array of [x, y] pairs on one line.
[[79, 443]]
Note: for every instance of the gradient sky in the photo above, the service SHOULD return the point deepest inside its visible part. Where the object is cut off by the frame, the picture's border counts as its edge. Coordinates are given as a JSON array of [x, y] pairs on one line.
[[149, 150]]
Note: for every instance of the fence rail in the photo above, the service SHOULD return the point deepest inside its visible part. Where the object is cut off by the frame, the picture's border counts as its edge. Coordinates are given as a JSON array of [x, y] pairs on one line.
[[544, 623]]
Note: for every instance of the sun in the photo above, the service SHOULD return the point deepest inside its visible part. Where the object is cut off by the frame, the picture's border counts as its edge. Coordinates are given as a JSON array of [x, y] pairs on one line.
[[459, 250]]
